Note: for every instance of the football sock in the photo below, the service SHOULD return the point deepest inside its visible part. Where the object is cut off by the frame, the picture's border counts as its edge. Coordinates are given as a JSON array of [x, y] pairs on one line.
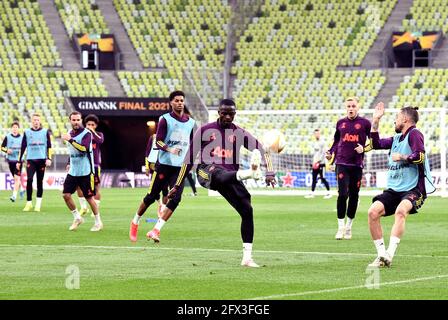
[[159, 224], [38, 202], [75, 214], [349, 223], [247, 251], [341, 223], [83, 202], [136, 219], [380, 247], [14, 194], [244, 174], [393, 244], [97, 218]]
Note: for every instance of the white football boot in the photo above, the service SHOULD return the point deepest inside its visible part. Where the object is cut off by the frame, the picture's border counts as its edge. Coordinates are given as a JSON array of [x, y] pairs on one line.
[[340, 234], [249, 263]]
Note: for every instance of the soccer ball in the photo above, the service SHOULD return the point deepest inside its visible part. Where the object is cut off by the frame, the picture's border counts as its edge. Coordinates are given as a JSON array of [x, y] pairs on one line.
[[274, 141]]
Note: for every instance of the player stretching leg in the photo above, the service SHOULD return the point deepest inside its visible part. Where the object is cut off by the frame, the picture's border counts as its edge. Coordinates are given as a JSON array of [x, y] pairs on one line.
[[218, 144]]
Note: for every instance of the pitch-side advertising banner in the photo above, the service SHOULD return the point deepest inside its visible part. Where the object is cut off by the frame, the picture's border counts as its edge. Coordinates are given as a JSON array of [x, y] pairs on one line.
[[52, 180], [55, 180], [289, 179]]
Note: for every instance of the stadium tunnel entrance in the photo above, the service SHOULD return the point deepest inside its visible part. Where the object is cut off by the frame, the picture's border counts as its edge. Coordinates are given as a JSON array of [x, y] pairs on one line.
[[125, 140], [124, 122]]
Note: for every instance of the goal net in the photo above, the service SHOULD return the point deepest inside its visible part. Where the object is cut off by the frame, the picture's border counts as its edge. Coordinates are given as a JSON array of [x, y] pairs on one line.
[[293, 165]]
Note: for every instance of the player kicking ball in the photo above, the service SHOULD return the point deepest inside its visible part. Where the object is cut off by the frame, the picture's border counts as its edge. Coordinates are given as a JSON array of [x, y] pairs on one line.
[[218, 144]]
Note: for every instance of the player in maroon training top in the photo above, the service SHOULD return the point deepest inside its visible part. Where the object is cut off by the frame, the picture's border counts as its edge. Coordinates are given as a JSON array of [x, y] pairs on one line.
[[218, 145], [347, 151]]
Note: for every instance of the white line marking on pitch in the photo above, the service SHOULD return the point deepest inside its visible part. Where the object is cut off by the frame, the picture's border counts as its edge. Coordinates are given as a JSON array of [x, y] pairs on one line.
[[305, 293], [209, 249]]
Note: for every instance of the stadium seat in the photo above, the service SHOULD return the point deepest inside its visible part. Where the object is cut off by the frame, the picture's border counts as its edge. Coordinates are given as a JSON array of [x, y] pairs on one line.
[[161, 41], [81, 16], [426, 88], [25, 37], [427, 15], [25, 91]]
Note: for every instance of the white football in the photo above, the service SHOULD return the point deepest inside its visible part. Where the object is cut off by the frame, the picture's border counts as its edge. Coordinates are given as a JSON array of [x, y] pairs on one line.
[[274, 141]]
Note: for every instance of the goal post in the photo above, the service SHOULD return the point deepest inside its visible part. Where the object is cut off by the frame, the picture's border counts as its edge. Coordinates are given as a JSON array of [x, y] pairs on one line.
[[293, 165]]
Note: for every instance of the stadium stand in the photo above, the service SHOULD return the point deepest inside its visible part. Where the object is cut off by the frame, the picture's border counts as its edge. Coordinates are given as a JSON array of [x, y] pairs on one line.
[[81, 16], [25, 86], [147, 84], [308, 93], [289, 37], [426, 88], [27, 91], [427, 15], [175, 35], [289, 58], [26, 40]]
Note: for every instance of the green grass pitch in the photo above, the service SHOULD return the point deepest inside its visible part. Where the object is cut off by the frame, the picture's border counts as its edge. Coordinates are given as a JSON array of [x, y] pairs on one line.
[[200, 252]]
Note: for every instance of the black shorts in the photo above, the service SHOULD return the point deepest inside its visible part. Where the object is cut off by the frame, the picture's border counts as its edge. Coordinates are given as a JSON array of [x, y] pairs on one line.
[[85, 183], [391, 199], [204, 173], [97, 176], [13, 168]]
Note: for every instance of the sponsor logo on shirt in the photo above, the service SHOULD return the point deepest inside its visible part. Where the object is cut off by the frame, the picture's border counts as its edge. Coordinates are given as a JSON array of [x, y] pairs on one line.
[[351, 138], [222, 153]]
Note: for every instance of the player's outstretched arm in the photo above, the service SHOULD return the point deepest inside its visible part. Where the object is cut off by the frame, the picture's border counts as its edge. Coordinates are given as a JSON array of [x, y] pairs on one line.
[[376, 142], [270, 173], [377, 115]]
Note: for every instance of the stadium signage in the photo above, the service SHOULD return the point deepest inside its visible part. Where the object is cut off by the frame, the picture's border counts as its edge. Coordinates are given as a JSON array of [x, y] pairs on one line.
[[121, 106]]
